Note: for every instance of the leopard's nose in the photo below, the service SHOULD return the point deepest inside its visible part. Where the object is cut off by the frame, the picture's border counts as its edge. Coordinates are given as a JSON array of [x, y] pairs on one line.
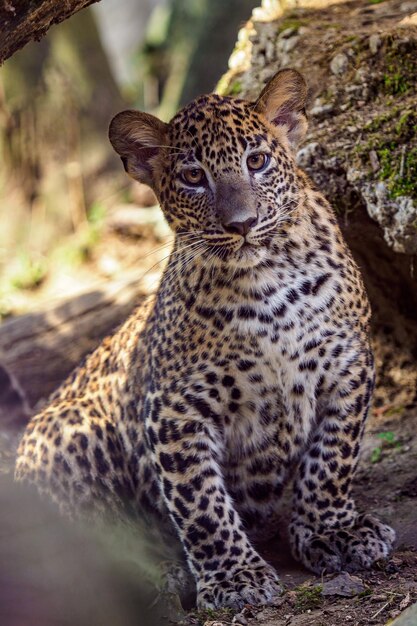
[[240, 228]]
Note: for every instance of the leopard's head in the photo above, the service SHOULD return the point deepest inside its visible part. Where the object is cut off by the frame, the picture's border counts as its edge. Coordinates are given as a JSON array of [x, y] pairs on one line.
[[223, 168]]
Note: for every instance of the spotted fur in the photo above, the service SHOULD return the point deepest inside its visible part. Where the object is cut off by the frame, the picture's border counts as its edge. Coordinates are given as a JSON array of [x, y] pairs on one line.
[[250, 368]]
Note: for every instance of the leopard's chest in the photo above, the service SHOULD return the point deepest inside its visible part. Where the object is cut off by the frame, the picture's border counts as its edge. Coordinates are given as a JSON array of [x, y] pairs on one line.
[[271, 397]]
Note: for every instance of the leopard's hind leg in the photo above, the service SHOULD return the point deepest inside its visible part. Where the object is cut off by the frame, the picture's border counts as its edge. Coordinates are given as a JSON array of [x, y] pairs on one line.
[[78, 459]]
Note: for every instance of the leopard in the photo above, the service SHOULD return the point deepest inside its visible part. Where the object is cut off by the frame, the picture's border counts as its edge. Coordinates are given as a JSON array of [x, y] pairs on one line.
[[248, 373]]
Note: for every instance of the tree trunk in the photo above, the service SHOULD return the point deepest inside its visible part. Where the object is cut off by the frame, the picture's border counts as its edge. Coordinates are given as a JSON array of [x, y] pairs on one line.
[[24, 20]]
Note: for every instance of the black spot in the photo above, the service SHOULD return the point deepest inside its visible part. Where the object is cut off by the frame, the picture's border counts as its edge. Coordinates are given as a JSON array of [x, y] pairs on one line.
[[279, 311], [246, 312], [346, 450], [320, 281], [211, 378], [205, 312], [298, 389], [265, 318], [292, 296], [201, 405], [244, 365], [181, 508], [310, 365], [182, 463], [194, 535], [310, 345], [101, 464], [337, 351], [220, 548], [204, 503], [331, 488], [151, 437], [206, 522], [167, 486], [166, 462], [83, 441], [186, 492], [306, 287]]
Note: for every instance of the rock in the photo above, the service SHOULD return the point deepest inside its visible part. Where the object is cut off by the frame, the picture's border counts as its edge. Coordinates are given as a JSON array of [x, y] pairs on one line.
[[284, 46], [353, 175], [307, 155], [397, 216], [343, 585], [373, 157], [408, 5], [321, 110], [361, 75], [289, 44], [375, 43], [288, 32], [339, 63]]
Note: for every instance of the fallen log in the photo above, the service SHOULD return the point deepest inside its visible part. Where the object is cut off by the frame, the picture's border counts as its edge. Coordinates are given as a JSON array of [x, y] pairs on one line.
[[38, 350]]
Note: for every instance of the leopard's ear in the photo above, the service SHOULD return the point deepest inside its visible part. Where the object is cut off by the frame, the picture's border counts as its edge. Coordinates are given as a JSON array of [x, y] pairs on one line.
[[138, 138], [282, 102]]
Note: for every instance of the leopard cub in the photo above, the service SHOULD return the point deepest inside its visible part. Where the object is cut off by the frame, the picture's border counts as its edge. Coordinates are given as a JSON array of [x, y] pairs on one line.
[[250, 367]]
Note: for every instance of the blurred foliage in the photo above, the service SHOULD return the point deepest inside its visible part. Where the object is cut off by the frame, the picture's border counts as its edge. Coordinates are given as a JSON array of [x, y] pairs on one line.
[[59, 174], [56, 99], [29, 271], [186, 49]]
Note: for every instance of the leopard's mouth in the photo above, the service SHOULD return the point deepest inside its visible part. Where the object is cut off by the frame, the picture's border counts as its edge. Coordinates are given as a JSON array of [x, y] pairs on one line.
[[239, 254], [246, 245], [247, 255]]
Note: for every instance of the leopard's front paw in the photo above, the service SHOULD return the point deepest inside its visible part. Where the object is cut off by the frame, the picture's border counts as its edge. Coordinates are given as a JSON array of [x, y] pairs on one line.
[[248, 585], [349, 549]]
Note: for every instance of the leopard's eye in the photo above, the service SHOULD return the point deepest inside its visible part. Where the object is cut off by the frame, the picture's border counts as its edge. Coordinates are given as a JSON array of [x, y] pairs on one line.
[[193, 176], [257, 162]]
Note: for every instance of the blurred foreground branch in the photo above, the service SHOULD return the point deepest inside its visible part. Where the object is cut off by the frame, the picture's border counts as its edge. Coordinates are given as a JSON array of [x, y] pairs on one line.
[[24, 20]]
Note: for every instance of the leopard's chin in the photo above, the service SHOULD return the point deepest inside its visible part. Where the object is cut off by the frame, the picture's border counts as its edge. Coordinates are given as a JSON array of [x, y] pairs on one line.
[[247, 256]]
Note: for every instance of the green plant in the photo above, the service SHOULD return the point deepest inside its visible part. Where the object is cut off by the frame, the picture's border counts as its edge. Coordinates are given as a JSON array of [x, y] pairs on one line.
[[234, 88], [212, 615], [389, 440], [396, 83], [308, 597], [96, 213], [29, 271], [400, 172]]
